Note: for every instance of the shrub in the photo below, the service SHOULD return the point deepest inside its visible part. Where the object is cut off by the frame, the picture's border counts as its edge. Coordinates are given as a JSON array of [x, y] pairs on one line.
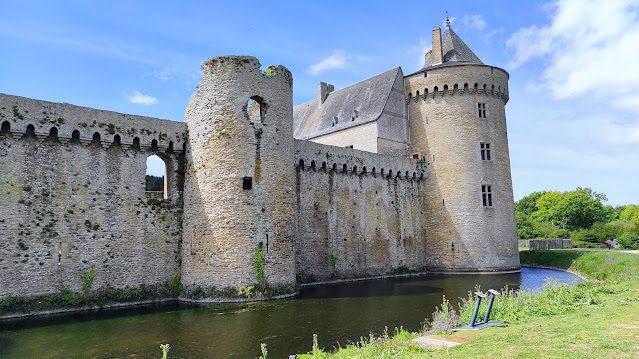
[[175, 284], [445, 318], [87, 282], [629, 240]]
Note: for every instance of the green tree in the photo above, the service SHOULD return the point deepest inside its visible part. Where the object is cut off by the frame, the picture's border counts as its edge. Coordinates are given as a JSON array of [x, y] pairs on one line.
[[630, 213], [571, 210], [528, 205]]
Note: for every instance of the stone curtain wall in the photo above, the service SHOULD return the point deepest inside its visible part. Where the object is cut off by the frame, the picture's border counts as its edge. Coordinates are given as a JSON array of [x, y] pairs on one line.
[[358, 213], [68, 206]]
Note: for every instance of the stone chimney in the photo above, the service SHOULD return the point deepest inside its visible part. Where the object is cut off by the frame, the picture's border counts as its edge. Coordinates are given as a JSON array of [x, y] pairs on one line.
[[324, 90], [438, 56]]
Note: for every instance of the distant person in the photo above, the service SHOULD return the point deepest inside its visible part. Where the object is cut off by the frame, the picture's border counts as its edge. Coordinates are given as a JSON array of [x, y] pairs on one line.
[[615, 243], [608, 243]]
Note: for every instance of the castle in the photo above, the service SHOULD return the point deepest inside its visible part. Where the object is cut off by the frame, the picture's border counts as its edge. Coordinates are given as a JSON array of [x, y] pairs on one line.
[[393, 174]]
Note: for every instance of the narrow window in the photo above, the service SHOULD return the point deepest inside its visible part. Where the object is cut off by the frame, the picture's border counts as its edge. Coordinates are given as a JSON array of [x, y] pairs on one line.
[[247, 183], [136, 143], [156, 179], [75, 136], [484, 148], [481, 109], [6, 128], [487, 195], [255, 109], [351, 146]]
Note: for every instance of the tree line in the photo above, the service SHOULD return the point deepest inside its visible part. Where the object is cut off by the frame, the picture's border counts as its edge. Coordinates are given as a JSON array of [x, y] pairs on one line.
[[580, 215]]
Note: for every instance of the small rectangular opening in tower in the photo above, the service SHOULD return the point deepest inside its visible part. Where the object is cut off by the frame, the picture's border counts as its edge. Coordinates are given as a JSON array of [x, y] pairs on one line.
[[247, 183]]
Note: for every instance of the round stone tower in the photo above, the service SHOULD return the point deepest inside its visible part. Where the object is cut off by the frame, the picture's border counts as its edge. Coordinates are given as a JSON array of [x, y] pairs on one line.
[[240, 179], [458, 125]]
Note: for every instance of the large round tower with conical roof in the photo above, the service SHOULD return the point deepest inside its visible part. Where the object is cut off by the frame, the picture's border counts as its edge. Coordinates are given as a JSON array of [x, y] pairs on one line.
[[239, 202], [458, 124]]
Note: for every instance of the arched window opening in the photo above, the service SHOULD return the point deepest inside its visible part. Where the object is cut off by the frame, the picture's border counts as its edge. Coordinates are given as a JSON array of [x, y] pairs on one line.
[[390, 173], [6, 128], [96, 138], [301, 164], [354, 169], [154, 145], [156, 179], [53, 134], [406, 174], [30, 131], [324, 166], [117, 140], [136, 143], [373, 171], [334, 167], [344, 168], [255, 109], [170, 150], [364, 170], [75, 136], [466, 87], [313, 164]]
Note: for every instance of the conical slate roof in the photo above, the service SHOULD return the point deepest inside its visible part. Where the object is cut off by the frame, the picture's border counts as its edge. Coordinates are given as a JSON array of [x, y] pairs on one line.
[[455, 51]]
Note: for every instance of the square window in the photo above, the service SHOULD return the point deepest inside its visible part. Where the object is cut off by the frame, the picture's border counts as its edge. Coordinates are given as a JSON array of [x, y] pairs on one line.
[[247, 183]]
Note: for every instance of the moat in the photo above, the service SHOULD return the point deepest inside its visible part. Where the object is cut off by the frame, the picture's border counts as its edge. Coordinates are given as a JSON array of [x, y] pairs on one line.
[[338, 314]]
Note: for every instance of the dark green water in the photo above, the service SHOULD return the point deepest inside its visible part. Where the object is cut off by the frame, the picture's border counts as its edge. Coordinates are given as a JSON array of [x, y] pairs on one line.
[[337, 313]]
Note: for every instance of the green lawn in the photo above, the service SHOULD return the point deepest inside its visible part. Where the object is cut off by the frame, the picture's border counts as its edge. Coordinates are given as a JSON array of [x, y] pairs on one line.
[[596, 319]]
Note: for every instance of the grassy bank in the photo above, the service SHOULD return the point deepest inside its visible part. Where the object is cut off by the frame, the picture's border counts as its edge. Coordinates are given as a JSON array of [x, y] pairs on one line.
[[596, 319]]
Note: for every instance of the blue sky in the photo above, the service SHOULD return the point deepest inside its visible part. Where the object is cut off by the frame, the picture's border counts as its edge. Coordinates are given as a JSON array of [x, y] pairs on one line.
[[573, 114]]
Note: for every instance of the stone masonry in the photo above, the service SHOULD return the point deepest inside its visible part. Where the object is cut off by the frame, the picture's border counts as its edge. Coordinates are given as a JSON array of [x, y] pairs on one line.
[[246, 202]]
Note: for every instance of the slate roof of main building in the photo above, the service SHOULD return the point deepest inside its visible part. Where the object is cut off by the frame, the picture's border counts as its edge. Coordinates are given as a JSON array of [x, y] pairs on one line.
[[368, 98]]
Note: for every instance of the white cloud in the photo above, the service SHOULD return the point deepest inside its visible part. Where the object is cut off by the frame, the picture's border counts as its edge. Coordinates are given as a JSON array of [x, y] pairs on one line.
[[139, 98], [475, 22], [589, 50], [337, 60]]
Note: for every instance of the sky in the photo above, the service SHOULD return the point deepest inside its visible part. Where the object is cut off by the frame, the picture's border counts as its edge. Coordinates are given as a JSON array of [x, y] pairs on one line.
[[573, 114]]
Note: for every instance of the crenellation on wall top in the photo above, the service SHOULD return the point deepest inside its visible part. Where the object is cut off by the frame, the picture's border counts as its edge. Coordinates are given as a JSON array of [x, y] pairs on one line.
[[314, 156], [66, 122]]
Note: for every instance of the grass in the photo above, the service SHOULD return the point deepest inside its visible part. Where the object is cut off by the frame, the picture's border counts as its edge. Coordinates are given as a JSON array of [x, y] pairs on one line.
[[595, 319]]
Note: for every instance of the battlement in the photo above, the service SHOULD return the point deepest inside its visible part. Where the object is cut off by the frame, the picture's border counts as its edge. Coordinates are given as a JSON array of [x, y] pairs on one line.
[[20, 117], [460, 79], [460, 89], [311, 156]]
